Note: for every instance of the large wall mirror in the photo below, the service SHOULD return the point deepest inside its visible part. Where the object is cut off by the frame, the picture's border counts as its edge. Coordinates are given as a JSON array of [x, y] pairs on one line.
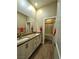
[[25, 24]]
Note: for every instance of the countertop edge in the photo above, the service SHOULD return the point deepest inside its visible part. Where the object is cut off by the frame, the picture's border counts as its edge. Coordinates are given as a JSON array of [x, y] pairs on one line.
[[21, 41]]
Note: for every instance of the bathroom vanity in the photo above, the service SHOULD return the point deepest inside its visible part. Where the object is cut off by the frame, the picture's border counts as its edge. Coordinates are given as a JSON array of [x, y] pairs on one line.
[[27, 45]]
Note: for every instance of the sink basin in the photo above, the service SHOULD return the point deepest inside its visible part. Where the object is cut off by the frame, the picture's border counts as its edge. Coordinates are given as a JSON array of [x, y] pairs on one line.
[[36, 34], [22, 40], [26, 38]]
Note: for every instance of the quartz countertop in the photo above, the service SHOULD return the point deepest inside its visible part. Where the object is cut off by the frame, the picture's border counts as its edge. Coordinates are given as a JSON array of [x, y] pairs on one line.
[[26, 38]]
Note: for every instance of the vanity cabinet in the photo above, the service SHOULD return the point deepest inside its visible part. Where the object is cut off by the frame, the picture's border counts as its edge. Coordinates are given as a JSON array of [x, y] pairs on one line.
[[25, 50]]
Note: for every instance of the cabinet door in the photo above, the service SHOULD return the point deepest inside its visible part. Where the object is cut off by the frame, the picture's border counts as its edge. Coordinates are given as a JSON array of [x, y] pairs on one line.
[[20, 52], [33, 44], [26, 50], [38, 40], [30, 47], [36, 43]]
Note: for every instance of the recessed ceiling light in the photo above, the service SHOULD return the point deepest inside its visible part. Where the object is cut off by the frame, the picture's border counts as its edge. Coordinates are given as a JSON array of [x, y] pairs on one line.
[[36, 4]]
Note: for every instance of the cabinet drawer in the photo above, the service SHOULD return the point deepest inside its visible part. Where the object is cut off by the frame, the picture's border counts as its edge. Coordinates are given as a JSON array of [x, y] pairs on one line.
[[38, 40]]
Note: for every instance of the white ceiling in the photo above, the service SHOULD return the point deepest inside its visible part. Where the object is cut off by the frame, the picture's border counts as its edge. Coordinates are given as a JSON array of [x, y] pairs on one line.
[[41, 3]]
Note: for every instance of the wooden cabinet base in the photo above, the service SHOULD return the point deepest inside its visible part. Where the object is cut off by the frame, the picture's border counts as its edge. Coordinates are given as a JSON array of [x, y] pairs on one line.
[[25, 50]]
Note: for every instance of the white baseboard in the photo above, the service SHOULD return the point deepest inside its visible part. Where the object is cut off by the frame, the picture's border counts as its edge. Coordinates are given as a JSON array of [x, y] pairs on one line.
[[57, 50]]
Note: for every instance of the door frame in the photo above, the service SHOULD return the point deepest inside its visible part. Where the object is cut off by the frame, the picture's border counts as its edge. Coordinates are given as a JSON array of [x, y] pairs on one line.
[[43, 27]]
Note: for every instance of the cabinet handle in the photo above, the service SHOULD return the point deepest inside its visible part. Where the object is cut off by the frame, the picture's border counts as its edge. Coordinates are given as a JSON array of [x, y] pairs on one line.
[[26, 46]]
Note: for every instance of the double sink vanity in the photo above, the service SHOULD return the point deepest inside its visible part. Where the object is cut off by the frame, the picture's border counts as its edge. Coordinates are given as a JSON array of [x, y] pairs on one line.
[[27, 45]]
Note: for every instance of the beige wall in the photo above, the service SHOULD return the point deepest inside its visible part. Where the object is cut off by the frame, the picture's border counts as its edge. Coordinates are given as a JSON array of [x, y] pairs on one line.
[[47, 11], [58, 25], [26, 8], [58, 28]]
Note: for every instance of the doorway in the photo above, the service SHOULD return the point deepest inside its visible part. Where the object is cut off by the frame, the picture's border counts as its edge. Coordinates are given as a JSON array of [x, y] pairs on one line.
[[48, 26]]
